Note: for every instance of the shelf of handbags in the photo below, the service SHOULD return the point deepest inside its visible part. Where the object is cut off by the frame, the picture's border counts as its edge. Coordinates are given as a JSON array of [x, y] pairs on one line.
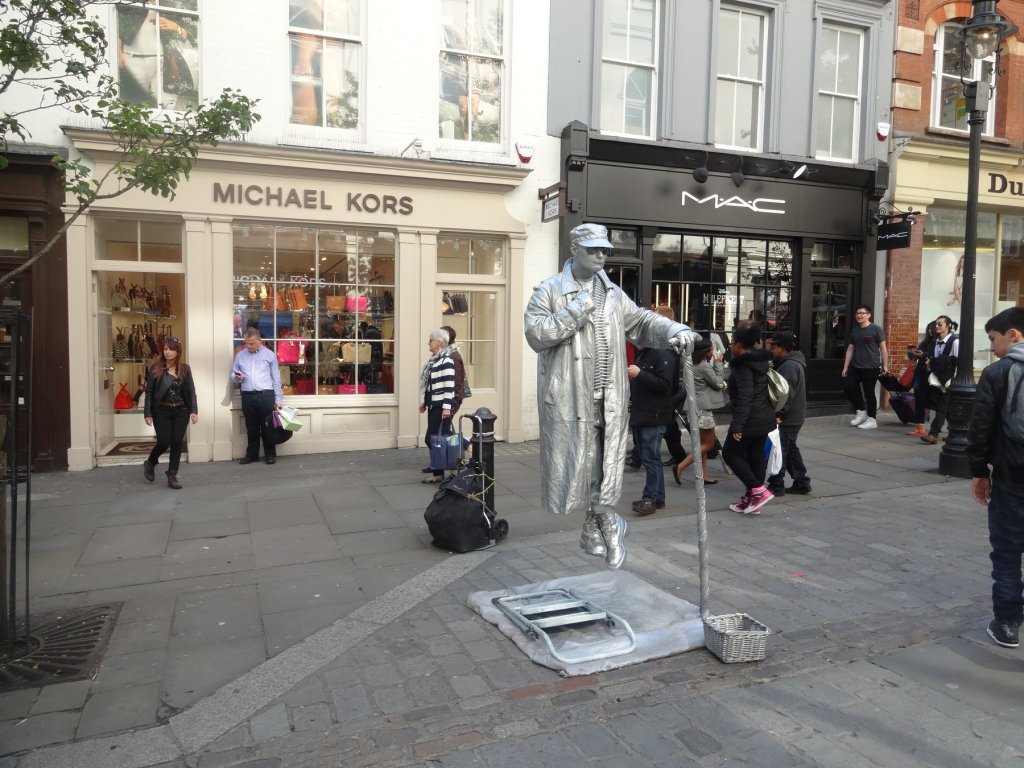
[[140, 342]]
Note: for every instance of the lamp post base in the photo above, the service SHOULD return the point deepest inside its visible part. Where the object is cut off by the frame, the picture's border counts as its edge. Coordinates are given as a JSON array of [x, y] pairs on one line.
[[953, 458]]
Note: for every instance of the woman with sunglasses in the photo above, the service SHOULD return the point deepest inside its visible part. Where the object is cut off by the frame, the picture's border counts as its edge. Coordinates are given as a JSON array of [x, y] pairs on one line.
[[170, 405]]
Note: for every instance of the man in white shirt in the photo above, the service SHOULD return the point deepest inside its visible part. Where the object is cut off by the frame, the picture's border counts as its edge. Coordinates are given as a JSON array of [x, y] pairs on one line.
[[255, 370]]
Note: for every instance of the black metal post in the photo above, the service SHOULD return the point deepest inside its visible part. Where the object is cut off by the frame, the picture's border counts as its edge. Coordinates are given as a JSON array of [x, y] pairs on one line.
[[952, 459], [483, 437]]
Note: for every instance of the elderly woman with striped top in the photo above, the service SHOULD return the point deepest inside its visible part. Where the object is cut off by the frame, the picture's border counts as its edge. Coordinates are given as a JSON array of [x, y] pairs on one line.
[[437, 384]]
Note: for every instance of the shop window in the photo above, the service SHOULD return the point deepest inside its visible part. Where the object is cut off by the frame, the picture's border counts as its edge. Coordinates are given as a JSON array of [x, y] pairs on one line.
[[134, 240], [839, 92], [471, 68], [740, 89], [1011, 260], [324, 300], [463, 255], [835, 256], [952, 67], [13, 238], [473, 315], [158, 53], [326, 49], [629, 38]]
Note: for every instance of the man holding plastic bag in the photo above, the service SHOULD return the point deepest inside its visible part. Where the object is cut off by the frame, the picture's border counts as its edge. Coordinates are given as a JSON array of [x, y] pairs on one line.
[[256, 371]]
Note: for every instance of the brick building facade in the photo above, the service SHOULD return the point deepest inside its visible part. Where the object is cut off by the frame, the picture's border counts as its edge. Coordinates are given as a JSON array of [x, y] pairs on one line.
[[929, 155]]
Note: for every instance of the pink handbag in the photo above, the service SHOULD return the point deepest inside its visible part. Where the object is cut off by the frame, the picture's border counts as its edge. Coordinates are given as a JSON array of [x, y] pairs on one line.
[[357, 302]]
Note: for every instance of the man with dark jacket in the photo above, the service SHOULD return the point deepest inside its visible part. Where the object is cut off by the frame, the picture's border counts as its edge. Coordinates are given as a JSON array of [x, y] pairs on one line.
[[791, 363], [996, 437], [753, 417], [651, 384]]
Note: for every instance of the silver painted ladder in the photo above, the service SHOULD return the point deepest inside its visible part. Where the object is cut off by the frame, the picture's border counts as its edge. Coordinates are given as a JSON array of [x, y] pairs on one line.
[[537, 612]]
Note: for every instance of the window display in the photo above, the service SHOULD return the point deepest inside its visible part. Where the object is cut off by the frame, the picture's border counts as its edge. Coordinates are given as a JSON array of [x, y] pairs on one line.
[[324, 300], [158, 53]]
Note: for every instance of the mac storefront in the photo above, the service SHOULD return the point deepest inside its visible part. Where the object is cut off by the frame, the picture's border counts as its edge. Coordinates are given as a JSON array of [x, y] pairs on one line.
[[792, 254]]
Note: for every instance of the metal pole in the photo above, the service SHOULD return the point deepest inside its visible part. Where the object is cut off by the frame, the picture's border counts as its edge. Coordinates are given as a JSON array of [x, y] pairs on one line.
[[483, 438], [952, 459]]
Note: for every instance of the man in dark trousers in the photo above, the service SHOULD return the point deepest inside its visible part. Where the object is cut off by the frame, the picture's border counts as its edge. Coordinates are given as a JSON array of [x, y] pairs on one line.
[[791, 363], [996, 438]]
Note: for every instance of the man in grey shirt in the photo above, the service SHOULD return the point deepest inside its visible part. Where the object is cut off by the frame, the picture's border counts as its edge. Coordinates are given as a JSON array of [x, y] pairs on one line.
[[866, 357]]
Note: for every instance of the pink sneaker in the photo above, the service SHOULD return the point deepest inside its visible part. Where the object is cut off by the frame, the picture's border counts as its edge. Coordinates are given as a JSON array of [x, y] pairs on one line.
[[742, 504], [758, 500]]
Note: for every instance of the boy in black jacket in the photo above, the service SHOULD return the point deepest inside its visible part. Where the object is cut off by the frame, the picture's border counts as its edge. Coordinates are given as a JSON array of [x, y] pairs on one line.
[[996, 437], [752, 419], [651, 383]]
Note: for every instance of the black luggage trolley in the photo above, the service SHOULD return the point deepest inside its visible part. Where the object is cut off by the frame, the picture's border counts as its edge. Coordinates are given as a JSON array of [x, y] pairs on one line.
[[458, 517]]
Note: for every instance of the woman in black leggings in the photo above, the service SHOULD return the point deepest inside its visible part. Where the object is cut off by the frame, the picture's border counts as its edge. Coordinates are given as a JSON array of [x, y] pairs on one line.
[[170, 405]]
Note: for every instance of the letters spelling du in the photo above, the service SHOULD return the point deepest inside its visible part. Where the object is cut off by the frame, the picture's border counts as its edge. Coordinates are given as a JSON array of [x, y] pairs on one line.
[[359, 202]]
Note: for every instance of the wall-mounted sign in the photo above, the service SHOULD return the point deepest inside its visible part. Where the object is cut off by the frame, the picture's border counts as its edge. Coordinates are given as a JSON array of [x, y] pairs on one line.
[[553, 202], [895, 235], [999, 184], [281, 197]]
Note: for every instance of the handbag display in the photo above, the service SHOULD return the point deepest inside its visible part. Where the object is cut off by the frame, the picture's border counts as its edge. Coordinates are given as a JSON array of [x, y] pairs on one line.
[[354, 352], [356, 302], [123, 399], [275, 301], [351, 389], [335, 303], [297, 299], [291, 352]]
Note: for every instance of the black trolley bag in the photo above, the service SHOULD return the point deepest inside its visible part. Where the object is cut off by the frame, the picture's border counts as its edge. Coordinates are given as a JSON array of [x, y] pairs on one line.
[[458, 517]]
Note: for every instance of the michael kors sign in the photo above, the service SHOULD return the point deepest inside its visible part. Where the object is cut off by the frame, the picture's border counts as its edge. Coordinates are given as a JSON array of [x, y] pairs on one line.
[[281, 197]]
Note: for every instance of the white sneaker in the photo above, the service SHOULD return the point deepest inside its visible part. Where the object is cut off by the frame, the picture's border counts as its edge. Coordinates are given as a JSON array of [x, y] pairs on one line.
[[868, 423], [858, 419]]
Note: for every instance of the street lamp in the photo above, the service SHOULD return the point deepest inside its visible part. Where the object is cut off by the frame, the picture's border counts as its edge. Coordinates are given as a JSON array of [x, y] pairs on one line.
[[978, 37]]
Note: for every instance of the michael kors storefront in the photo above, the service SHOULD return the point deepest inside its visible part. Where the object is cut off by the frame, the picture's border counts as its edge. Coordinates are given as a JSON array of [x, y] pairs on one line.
[[343, 262], [791, 254]]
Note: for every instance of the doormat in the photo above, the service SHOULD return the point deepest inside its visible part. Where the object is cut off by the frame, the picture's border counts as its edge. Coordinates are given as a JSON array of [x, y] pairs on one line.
[[133, 448]]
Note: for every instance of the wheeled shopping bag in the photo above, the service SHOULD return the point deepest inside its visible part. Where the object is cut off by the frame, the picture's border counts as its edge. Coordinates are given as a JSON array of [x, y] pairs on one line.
[[458, 517]]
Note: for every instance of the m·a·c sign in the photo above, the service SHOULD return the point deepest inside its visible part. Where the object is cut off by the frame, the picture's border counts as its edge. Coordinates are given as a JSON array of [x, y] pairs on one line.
[[895, 235]]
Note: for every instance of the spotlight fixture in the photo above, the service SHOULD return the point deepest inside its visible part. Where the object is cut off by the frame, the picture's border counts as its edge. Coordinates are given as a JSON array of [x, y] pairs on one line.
[[700, 173], [737, 172]]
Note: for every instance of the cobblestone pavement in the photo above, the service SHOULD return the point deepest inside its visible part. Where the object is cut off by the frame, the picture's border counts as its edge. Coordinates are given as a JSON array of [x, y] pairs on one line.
[[876, 589]]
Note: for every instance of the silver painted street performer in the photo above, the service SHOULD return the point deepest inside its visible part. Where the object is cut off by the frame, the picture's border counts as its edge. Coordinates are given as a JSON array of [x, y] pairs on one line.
[[579, 322]]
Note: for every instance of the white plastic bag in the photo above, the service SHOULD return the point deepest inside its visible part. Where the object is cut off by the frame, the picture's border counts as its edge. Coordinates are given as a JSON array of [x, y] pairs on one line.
[[289, 419], [773, 447]]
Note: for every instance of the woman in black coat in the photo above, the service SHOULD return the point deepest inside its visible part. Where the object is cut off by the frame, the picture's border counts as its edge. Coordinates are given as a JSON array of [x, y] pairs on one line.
[[752, 419], [170, 405]]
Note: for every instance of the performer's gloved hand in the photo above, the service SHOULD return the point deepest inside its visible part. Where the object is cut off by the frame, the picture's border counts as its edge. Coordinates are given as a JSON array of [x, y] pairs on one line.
[[684, 341]]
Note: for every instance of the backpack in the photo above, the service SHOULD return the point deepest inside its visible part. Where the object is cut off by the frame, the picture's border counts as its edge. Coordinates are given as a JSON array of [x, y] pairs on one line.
[[778, 389], [1013, 410]]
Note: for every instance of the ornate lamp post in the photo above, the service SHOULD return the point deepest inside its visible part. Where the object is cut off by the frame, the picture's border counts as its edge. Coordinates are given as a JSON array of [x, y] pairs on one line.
[[979, 36]]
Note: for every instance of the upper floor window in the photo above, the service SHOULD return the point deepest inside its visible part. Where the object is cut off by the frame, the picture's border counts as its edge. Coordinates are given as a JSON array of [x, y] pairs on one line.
[[628, 75], [739, 98], [839, 92], [472, 70], [952, 66], [326, 53], [158, 53]]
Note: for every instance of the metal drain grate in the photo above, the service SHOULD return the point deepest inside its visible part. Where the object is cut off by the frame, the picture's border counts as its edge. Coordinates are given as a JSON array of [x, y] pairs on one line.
[[63, 646]]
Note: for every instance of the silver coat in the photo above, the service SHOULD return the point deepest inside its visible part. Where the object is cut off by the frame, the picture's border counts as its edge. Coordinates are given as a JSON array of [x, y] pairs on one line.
[[558, 328]]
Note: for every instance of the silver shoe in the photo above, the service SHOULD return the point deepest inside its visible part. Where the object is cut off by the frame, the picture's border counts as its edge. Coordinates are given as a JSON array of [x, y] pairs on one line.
[[613, 530], [591, 540]]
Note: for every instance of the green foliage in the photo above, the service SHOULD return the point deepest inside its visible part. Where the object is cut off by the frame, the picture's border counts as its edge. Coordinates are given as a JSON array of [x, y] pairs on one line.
[[59, 50]]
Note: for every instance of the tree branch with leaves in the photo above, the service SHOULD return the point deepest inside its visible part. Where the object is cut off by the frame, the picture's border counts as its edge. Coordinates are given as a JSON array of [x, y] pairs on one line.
[[56, 50]]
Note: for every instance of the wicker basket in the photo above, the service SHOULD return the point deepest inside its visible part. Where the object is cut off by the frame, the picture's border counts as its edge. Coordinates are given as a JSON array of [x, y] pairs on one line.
[[736, 637]]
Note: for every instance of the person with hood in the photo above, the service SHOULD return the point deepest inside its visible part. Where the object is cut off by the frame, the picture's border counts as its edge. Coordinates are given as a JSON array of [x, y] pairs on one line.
[[578, 323], [995, 438], [753, 417], [792, 365]]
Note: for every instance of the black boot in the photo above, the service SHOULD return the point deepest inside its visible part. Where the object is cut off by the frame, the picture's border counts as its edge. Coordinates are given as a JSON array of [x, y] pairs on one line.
[[172, 481], [147, 471]]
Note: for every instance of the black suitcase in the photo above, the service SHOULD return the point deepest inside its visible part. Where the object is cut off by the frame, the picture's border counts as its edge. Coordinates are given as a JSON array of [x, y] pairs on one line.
[[903, 404]]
